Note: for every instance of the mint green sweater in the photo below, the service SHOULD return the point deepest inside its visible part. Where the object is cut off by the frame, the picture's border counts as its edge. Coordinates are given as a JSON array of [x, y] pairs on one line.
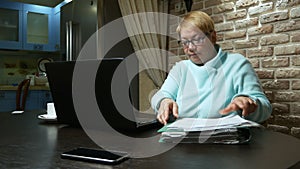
[[202, 91]]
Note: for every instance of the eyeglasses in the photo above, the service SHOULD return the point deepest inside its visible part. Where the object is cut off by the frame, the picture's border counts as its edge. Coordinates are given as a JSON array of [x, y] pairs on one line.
[[194, 42]]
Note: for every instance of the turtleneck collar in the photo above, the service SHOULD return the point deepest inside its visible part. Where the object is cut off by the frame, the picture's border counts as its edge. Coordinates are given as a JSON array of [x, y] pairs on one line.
[[214, 62]]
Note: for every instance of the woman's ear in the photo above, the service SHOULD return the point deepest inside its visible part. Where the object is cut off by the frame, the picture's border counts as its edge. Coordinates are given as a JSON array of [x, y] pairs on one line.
[[213, 37]]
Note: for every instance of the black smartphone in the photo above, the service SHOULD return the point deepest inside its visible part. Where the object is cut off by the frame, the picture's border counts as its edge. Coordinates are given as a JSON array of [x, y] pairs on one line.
[[95, 155]]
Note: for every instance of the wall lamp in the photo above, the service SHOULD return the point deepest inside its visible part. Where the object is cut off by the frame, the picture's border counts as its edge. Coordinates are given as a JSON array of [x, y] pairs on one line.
[[188, 4]]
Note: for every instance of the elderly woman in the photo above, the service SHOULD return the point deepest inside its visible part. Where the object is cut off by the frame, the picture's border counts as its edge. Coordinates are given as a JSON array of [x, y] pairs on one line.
[[211, 83]]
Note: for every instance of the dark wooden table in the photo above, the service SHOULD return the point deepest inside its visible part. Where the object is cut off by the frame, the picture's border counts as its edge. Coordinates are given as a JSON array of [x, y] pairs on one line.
[[29, 143]]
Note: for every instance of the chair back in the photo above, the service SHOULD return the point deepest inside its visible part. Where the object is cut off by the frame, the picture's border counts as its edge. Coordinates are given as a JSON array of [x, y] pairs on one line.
[[21, 96]]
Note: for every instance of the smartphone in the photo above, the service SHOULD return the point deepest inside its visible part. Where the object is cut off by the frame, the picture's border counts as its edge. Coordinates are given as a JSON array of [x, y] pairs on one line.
[[95, 155]]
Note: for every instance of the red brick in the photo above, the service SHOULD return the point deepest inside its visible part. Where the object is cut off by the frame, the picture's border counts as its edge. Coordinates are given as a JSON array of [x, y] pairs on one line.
[[263, 52], [287, 96], [245, 3], [270, 95], [274, 16], [197, 6], [295, 61], [265, 29], [253, 42], [260, 8], [217, 18], [286, 26], [254, 62], [275, 62], [226, 45], [276, 84], [283, 4], [224, 26], [295, 36], [287, 50], [296, 85], [265, 74], [208, 4], [223, 7], [287, 73], [288, 120], [280, 108], [236, 14], [208, 11], [240, 51], [295, 12], [246, 22], [274, 39], [235, 34]]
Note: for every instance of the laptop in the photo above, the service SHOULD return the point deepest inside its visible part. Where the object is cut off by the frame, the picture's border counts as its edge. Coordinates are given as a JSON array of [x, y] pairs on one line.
[[60, 75]]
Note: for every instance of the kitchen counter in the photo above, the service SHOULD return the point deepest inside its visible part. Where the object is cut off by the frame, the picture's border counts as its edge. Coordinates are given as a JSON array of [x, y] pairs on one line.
[[37, 98], [35, 87]]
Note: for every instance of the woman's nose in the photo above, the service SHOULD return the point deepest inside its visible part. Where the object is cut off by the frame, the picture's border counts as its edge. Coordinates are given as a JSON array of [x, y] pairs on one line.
[[191, 47]]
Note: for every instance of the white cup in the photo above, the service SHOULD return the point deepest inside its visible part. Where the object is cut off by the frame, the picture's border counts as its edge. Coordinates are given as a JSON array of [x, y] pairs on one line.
[[51, 110]]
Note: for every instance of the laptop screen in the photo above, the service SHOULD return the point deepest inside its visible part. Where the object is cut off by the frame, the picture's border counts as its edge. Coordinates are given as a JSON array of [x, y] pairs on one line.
[[60, 76]]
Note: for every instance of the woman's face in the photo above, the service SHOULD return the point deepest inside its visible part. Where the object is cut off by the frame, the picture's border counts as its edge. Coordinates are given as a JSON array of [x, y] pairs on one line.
[[198, 45]]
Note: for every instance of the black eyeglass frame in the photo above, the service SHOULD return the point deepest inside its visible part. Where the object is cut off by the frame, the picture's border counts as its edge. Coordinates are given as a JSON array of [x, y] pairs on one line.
[[201, 39]]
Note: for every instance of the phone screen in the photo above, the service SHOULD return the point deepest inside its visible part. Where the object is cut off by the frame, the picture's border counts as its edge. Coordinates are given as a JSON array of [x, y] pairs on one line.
[[95, 155]]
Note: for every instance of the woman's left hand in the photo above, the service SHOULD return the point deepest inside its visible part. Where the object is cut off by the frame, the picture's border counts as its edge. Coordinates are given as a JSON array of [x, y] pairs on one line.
[[243, 103]]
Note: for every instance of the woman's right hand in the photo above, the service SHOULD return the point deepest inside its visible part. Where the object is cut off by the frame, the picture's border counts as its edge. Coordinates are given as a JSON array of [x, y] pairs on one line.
[[167, 106]]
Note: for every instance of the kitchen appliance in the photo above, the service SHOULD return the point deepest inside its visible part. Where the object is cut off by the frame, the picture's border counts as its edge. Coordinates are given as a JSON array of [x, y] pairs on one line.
[[80, 19], [78, 24]]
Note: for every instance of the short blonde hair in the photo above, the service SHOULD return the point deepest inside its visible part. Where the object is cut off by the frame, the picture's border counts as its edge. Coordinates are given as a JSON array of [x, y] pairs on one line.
[[198, 19]]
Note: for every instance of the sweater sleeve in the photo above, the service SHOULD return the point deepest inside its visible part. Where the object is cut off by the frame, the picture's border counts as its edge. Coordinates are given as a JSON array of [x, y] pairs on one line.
[[169, 89], [247, 84]]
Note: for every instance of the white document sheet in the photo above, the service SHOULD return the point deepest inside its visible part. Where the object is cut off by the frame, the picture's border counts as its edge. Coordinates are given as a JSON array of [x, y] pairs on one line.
[[198, 124]]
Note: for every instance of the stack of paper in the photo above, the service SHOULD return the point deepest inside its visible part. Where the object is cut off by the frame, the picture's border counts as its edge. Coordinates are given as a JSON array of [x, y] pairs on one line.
[[227, 130]]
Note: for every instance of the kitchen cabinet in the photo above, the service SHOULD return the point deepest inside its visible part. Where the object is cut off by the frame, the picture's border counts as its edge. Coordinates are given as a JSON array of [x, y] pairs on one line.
[[11, 25], [27, 27], [7, 101], [38, 28], [36, 100]]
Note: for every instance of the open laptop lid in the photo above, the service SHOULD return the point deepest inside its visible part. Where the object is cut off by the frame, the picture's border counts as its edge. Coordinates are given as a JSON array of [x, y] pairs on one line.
[[60, 76]]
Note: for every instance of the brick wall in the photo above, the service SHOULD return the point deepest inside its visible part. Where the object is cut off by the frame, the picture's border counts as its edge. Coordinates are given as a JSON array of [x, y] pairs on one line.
[[267, 32]]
